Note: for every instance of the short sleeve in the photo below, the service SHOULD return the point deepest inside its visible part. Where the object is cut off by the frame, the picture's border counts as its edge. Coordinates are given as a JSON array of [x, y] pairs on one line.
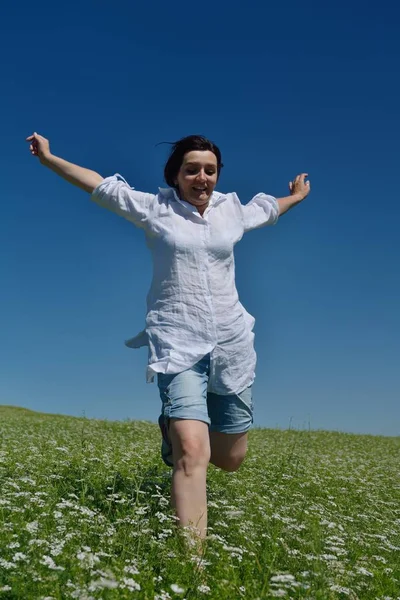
[[260, 211], [114, 194]]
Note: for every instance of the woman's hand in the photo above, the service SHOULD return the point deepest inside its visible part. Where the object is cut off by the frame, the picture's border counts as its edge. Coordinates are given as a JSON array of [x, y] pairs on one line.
[[84, 178], [39, 147], [299, 188]]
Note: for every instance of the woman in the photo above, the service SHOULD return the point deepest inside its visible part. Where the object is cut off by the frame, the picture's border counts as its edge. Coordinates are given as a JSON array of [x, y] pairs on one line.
[[199, 335]]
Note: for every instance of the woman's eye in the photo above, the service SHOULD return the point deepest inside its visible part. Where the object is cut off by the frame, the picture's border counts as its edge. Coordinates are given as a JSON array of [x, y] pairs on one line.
[[209, 172]]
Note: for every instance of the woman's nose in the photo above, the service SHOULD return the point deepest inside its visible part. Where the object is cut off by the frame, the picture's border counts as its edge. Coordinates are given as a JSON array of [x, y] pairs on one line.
[[202, 176]]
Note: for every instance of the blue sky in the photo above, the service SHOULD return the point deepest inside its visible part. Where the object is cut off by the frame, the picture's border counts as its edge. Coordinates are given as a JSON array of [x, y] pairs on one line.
[[281, 89]]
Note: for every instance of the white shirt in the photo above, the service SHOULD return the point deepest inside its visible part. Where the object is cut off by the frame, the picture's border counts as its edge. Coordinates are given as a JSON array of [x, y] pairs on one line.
[[193, 306]]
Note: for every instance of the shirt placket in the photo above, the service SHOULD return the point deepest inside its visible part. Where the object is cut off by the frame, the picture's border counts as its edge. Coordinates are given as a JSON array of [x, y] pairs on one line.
[[206, 235], [213, 328]]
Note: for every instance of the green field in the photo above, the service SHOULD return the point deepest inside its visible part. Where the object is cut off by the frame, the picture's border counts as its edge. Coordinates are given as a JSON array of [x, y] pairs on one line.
[[84, 513]]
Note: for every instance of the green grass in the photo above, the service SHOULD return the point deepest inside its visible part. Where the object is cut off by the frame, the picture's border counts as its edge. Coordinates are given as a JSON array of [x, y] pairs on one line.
[[84, 513]]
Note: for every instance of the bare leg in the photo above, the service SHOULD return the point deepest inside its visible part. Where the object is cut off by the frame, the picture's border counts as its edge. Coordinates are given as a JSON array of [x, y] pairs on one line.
[[228, 450], [191, 455]]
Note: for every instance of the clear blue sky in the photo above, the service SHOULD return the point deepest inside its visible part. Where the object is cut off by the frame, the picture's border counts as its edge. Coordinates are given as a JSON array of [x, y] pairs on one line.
[[281, 88]]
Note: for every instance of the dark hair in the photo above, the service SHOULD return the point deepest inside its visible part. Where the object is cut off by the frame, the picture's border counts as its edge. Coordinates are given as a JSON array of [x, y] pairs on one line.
[[180, 148]]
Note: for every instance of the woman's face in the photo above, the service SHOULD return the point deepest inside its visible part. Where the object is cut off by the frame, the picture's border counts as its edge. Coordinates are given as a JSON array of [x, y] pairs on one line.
[[197, 177]]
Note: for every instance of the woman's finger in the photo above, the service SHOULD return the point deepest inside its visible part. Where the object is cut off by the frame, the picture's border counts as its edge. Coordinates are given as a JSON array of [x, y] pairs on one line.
[[35, 136], [40, 137]]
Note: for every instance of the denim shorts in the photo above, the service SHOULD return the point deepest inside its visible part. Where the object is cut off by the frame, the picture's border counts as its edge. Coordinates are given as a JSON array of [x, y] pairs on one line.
[[185, 396]]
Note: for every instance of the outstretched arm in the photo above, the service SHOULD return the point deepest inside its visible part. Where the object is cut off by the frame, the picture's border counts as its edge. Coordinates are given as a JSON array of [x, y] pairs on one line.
[[299, 189], [83, 178]]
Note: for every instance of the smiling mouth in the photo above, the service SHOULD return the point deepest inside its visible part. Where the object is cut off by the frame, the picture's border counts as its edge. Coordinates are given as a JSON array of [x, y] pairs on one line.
[[198, 189]]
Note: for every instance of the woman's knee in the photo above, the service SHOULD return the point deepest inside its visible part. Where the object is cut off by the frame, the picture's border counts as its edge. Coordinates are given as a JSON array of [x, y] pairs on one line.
[[190, 444], [232, 463]]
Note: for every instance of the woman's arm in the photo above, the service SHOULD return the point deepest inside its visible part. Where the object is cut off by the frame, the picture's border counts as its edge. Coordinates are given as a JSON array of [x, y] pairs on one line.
[[299, 189], [83, 178]]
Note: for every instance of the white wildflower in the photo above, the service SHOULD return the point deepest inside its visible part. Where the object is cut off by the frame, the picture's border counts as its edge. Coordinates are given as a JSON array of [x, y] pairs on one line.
[[161, 517], [131, 584], [84, 510], [233, 549], [7, 565], [363, 571], [199, 560], [66, 504], [380, 559], [32, 527], [13, 545], [80, 594], [338, 550], [283, 578], [28, 480], [19, 556], [88, 559], [175, 588], [234, 513], [142, 510], [164, 596], [38, 542], [103, 583], [49, 562], [204, 589], [13, 485], [131, 569], [341, 589], [392, 547], [57, 547]]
